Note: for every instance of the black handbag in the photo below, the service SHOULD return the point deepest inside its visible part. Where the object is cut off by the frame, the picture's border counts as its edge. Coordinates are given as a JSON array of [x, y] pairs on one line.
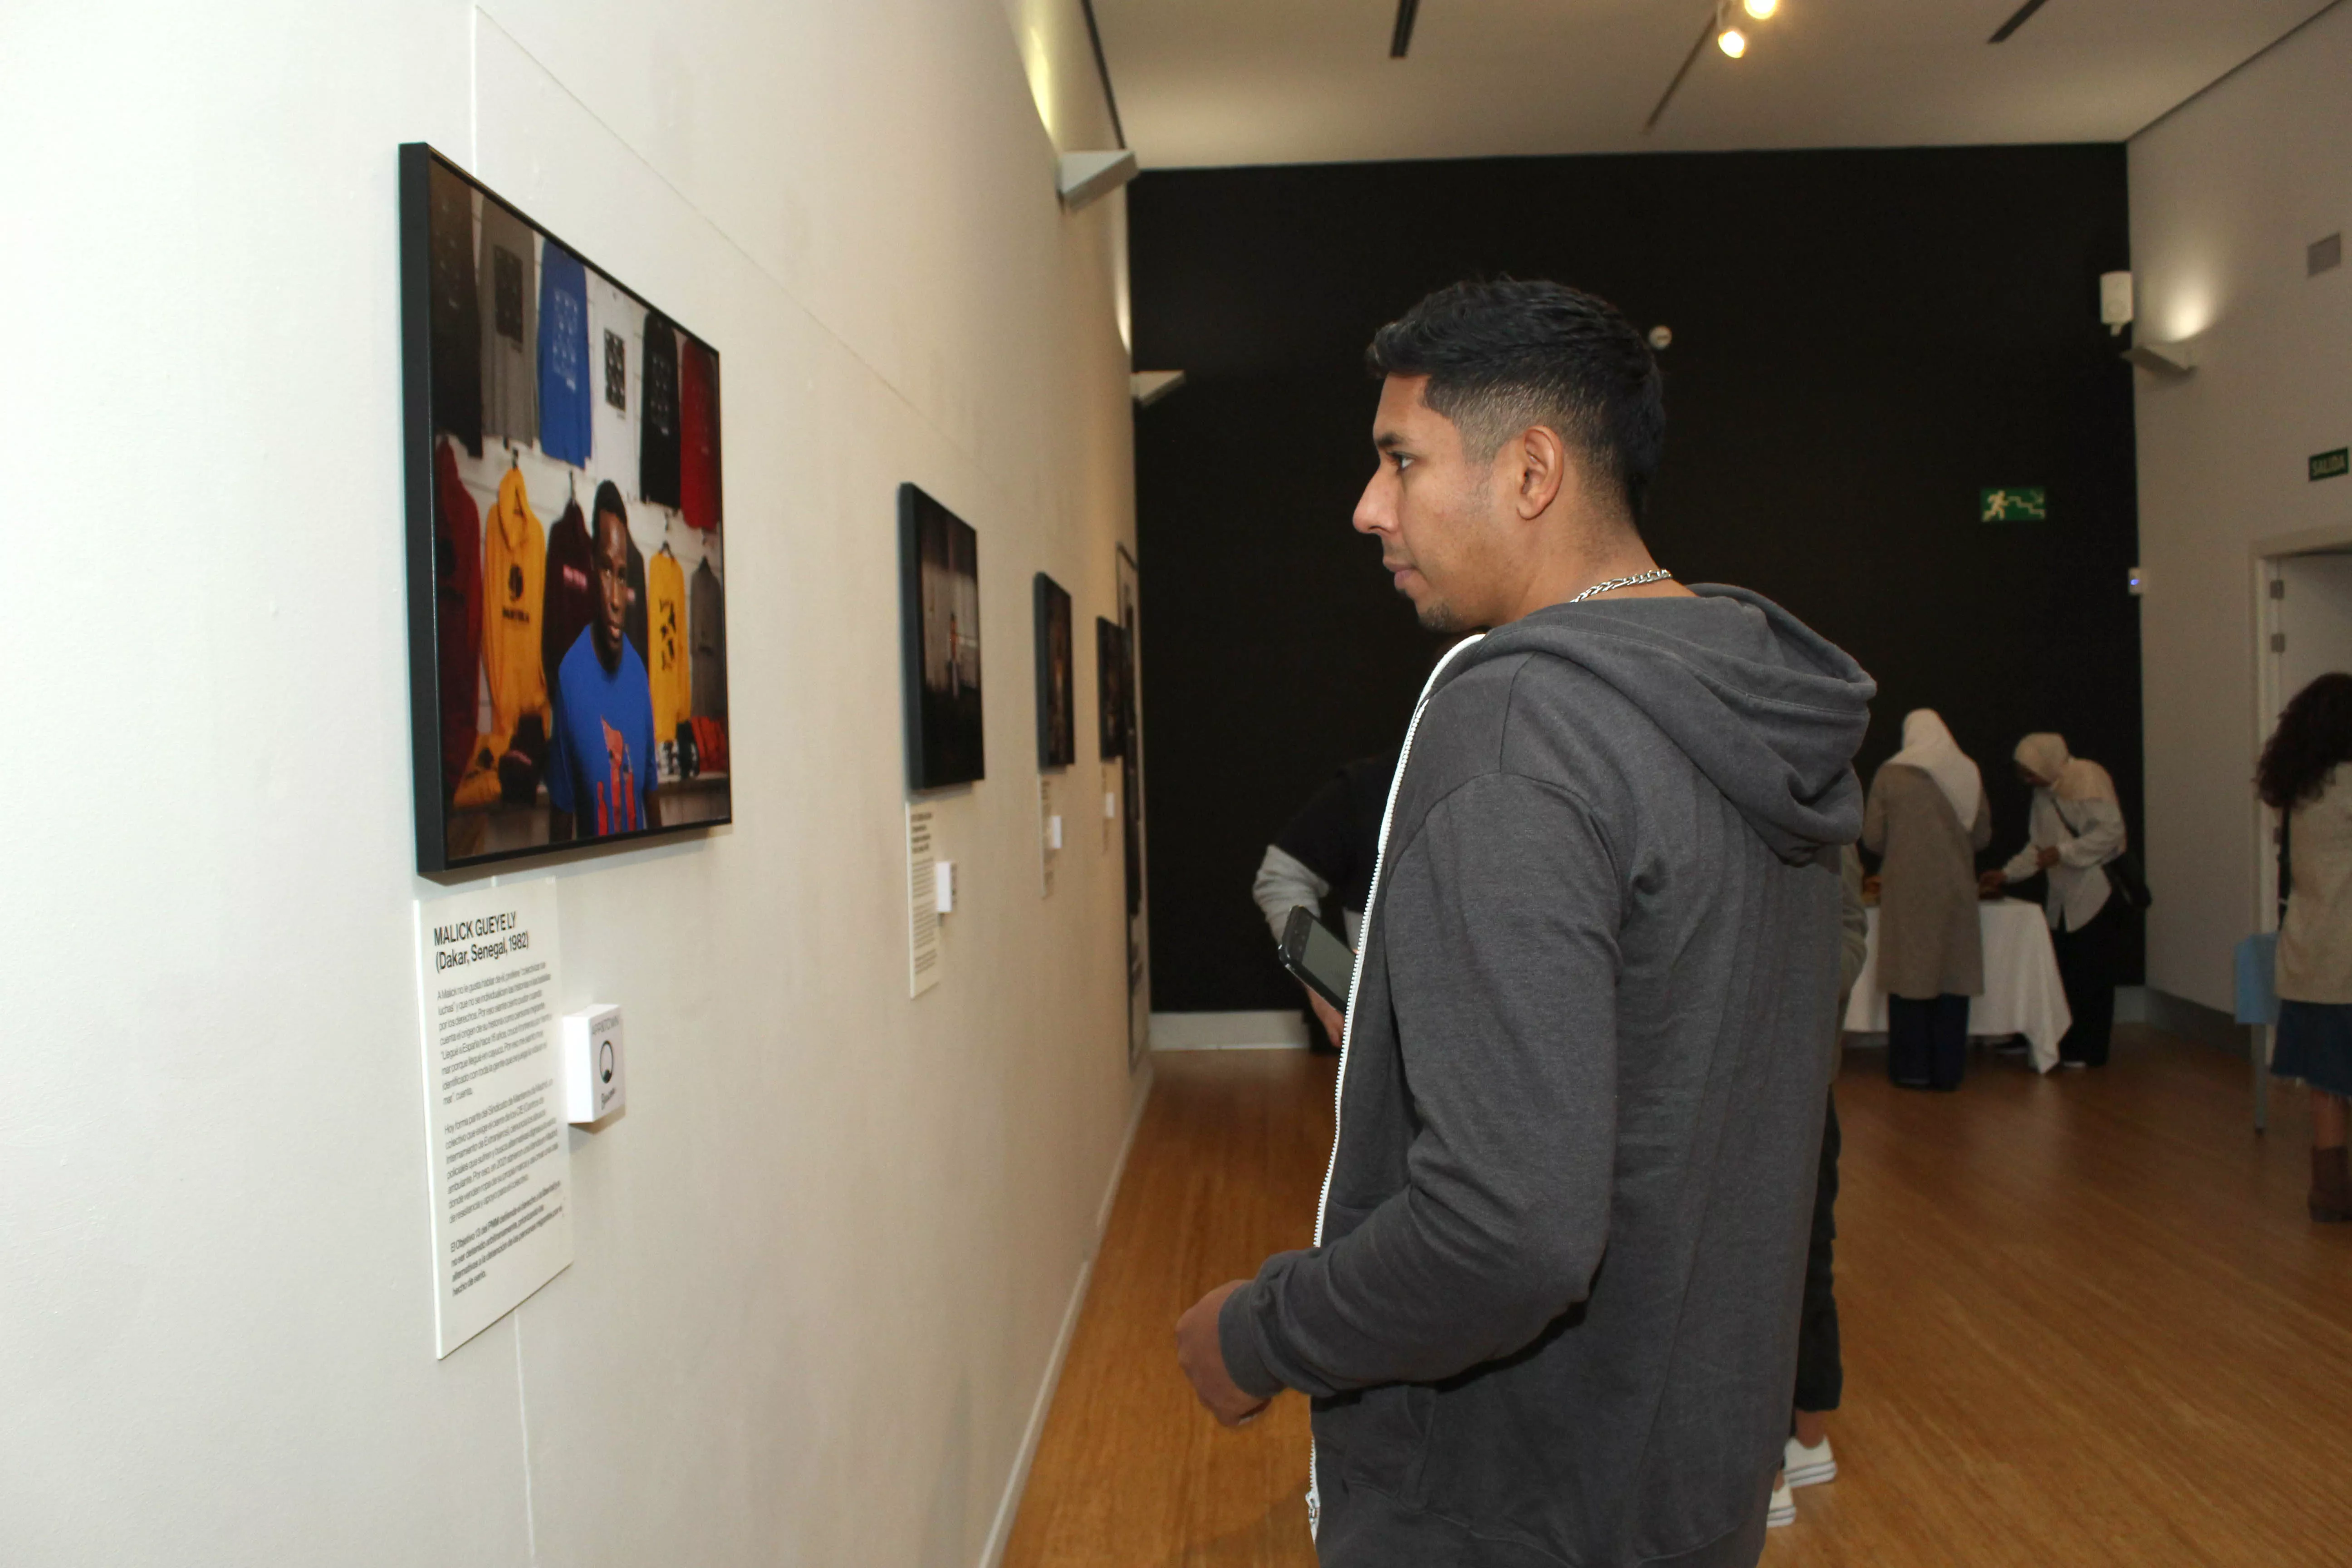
[[2129, 882], [2125, 878]]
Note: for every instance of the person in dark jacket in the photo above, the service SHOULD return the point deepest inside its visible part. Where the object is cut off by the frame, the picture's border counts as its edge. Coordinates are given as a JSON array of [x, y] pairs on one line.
[[1551, 1311]]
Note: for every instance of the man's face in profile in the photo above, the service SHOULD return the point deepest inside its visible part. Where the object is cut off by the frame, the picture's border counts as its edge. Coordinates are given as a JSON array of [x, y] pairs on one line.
[[1429, 506], [610, 559]]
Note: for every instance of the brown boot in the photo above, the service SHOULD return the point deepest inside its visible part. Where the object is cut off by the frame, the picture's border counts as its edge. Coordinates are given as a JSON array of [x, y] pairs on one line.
[[2331, 1185]]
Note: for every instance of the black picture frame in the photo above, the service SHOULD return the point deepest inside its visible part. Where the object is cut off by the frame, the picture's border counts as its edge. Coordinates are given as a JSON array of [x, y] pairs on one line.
[[939, 578], [1057, 685], [442, 401]]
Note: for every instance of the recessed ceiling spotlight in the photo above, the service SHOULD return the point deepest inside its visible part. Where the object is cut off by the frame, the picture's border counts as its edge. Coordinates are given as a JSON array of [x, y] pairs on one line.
[[1762, 9], [1732, 42]]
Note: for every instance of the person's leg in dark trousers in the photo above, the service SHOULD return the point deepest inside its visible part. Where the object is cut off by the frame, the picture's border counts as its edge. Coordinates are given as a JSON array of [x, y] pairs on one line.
[[1909, 1027], [2086, 968], [1821, 1370], [1947, 1042]]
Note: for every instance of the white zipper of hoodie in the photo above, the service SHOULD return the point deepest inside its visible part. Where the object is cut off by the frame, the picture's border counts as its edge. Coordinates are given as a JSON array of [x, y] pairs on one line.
[[1355, 985]]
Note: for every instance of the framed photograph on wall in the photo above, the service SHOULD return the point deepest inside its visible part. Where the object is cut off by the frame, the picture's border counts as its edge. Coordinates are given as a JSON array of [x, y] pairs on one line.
[[1110, 691], [1058, 727], [1139, 909], [566, 570], [939, 570]]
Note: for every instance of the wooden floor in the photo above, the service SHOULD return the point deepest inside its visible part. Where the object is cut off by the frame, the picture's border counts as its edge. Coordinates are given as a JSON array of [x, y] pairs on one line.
[[2086, 1319]]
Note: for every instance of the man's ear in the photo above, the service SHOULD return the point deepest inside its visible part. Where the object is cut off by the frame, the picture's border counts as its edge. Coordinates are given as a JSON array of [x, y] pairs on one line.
[[1540, 460]]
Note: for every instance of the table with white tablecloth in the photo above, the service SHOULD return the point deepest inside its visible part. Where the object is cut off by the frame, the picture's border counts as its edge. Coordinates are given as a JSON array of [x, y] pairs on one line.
[[2021, 993]]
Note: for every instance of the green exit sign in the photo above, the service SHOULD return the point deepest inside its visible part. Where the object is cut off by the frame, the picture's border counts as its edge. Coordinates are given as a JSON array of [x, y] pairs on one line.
[[2328, 465], [2014, 504]]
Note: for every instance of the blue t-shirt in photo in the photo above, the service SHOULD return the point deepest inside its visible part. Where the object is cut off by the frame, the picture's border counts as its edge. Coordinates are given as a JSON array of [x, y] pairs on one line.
[[600, 761], [565, 408]]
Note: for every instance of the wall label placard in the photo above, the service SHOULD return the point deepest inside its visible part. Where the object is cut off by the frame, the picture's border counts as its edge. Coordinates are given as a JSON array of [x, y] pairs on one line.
[[499, 1163], [2014, 504], [923, 902], [2331, 464]]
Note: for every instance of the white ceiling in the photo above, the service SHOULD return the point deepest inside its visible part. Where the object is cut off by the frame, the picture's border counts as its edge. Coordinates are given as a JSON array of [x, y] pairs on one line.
[[1294, 81]]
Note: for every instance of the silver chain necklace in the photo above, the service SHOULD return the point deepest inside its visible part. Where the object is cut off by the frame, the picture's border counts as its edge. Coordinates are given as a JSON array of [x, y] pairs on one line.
[[1660, 576]]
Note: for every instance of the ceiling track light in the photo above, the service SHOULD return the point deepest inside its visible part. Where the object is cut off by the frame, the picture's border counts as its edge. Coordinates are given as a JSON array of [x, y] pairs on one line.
[[1729, 37]]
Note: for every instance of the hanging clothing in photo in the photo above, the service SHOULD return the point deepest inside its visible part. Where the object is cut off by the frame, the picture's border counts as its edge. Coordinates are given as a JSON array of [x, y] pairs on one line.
[[658, 422], [514, 573], [570, 601], [571, 589], [697, 424], [711, 744], [453, 314], [665, 583], [636, 628], [565, 418], [616, 333], [510, 328], [457, 612], [601, 751], [706, 642]]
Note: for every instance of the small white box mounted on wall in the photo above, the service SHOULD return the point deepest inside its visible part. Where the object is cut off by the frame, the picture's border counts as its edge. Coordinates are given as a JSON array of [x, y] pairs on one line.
[[595, 1072]]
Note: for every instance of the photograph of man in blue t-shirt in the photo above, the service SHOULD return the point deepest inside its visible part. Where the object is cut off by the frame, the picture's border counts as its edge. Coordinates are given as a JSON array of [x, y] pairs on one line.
[[600, 763]]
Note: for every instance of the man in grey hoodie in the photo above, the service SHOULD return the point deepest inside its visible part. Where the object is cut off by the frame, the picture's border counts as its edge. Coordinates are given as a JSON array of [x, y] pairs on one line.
[[1551, 1313]]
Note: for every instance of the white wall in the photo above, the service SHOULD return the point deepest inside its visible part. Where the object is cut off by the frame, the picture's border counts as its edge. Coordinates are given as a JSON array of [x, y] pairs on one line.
[[822, 1261], [2225, 194]]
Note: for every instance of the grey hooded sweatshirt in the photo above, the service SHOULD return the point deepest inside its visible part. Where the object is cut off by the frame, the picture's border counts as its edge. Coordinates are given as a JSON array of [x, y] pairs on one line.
[[1552, 1314]]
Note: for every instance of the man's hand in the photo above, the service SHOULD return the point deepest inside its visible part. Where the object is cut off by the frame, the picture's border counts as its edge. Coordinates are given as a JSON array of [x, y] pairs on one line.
[[1198, 1353], [1335, 1023], [2046, 856], [1991, 883]]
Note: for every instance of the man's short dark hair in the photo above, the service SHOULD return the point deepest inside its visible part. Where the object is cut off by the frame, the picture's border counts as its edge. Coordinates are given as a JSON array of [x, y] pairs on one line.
[[1504, 355], [608, 498]]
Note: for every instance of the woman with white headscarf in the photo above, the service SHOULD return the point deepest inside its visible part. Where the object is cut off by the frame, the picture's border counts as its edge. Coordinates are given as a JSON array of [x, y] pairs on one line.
[[1926, 820], [2076, 828]]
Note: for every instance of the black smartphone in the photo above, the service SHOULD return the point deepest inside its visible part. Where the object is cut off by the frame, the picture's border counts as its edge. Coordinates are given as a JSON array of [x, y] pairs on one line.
[[1313, 951]]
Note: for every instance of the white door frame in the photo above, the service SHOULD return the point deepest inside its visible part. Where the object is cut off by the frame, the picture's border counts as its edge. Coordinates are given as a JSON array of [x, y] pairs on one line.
[[2263, 558]]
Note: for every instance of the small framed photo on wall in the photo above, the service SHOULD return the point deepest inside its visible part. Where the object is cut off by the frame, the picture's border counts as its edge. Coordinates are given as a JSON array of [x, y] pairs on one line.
[[1057, 729]]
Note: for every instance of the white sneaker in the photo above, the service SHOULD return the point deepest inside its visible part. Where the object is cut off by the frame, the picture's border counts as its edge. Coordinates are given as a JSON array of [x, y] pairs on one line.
[[1810, 1466], [1784, 1507]]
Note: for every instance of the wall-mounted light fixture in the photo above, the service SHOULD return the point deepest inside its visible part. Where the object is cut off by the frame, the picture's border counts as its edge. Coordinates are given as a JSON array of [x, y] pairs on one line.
[[2115, 300], [1088, 177], [1148, 386], [2166, 361]]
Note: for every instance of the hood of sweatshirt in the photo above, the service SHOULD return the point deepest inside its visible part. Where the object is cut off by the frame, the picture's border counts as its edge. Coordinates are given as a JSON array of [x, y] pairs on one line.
[[1768, 711]]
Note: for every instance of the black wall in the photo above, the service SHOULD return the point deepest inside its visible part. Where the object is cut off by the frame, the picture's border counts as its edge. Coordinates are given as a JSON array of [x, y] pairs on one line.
[[1862, 340]]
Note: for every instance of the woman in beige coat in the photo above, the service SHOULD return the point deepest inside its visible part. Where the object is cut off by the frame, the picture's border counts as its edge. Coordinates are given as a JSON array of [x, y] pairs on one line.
[[2303, 776], [1926, 819]]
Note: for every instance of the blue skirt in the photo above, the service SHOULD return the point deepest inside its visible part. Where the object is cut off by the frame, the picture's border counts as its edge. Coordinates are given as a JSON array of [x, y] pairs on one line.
[[2314, 1043]]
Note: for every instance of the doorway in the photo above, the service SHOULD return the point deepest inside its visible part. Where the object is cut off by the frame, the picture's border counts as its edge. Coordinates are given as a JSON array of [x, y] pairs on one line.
[[2304, 626], [2303, 629]]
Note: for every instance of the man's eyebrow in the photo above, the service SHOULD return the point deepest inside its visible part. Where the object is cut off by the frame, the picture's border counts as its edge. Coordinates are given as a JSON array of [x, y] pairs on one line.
[[1388, 441]]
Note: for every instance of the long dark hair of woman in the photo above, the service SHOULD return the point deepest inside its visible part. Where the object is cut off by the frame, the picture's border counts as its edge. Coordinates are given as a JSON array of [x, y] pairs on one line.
[[2314, 734]]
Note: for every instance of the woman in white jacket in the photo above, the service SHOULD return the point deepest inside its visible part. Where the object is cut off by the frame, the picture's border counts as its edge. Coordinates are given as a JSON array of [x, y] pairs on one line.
[[2076, 828]]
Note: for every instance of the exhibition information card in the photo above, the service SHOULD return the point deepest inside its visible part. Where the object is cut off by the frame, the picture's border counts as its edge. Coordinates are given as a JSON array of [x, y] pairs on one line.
[[500, 1165], [923, 903]]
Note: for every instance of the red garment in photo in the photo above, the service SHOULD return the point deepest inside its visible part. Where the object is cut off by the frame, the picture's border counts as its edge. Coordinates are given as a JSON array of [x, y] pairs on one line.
[[697, 422]]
